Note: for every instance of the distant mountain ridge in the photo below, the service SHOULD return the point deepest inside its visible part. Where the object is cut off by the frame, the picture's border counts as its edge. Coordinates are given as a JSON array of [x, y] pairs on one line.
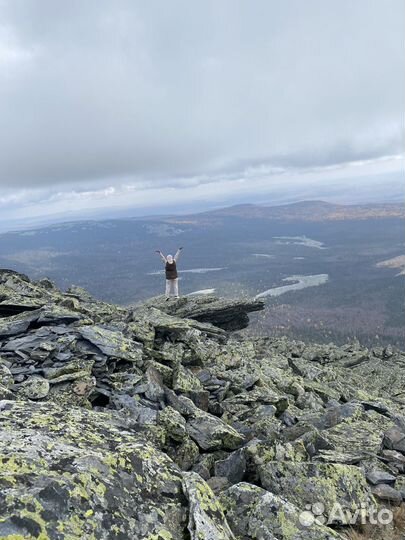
[[314, 211], [305, 211]]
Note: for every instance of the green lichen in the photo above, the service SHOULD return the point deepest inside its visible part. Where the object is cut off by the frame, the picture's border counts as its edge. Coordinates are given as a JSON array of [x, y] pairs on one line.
[[287, 526], [206, 498], [161, 535]]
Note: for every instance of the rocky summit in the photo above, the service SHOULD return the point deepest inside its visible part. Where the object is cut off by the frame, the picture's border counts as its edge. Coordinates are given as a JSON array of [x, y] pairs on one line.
[[160, 422]]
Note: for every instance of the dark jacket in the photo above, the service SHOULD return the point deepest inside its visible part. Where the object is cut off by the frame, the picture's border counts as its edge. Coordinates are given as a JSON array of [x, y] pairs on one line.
[[171, 270]]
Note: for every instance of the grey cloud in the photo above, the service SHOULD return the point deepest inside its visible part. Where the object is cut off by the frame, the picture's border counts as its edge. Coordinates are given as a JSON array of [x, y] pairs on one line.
[[98, 89]]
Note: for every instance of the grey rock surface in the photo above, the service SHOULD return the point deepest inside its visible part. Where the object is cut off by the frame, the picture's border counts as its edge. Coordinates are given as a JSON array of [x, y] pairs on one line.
[[157, 422]]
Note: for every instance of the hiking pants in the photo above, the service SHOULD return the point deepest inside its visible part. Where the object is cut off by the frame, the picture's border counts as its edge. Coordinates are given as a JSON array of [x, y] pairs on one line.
[[172, 287]]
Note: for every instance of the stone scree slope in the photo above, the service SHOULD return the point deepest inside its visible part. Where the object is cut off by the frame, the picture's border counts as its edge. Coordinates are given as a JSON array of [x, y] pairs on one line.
[[158, 422]]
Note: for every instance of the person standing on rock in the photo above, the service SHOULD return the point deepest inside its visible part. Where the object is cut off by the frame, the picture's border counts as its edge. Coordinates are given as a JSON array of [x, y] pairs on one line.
[[172, 278]]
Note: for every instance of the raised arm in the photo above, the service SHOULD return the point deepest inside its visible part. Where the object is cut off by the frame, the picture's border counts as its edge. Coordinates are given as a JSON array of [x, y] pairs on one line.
[[177, 254], [161, 255]]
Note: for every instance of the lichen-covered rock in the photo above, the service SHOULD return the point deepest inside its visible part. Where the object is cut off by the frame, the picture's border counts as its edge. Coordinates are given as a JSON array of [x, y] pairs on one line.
[[112, 343], [254, 513], [211, 433], [227, 314], [184, 381], [6, 377], [18, 324], [173, 423], [34, 388], [106, 409], [146, 322], [363, 437], [305, 483], [185, 455], [6, 393], [68, 473], [72, 393], [69, 370], [206, 517]]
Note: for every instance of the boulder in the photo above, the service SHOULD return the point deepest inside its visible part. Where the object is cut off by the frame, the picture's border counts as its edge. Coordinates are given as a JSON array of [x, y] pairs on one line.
[[221, 312], [358, 435], [211, 433], [387, 493], [206, 517], [6, 377], [185, 454], [46, 315], [173, 423], [17, 324], [6, 393], [34, 388], [112, 343], [71, 393], [394, 439], [184, 381], [70, 473], [380, 477], [145, 318], [306, 483], [254, 513], [233, 467]]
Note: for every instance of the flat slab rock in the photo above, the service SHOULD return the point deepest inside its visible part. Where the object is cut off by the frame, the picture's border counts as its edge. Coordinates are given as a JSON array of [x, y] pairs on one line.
[[160, 320], [112, 343], [225, 313], [387, 493], [380, 477], [18, 324]]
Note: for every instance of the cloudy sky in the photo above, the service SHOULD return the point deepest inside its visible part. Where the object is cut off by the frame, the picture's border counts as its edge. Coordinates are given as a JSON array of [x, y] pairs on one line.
[[141, 106]]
